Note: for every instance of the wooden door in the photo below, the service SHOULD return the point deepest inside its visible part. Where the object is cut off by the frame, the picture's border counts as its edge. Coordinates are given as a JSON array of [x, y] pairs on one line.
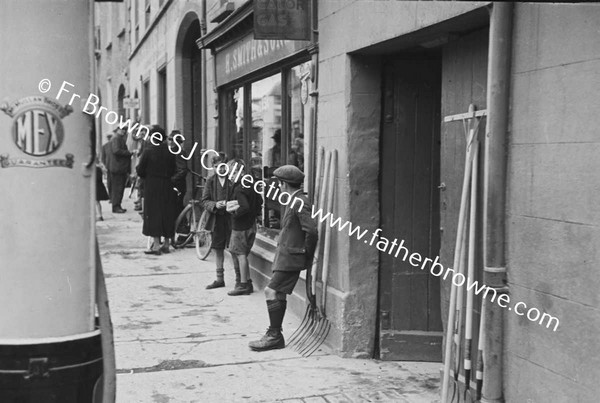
[[409, 298], [191, 100]]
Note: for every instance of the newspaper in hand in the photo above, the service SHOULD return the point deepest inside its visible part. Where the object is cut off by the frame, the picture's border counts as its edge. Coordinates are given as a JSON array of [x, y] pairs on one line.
[[232, 206]]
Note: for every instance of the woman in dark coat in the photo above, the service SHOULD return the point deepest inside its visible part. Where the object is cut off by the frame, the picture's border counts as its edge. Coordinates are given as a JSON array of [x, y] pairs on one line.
[[157, 167], [101, 193]]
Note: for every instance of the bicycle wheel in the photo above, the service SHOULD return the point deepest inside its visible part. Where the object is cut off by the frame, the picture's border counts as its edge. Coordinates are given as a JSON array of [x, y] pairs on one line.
[[183, 233], [202, 239]]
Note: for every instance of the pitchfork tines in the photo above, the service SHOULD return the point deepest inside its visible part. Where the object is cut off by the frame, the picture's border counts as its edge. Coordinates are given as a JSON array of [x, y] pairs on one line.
[[315, 326], [313, 330]]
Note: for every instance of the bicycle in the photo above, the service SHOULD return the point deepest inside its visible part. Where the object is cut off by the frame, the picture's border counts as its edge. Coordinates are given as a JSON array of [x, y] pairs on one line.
[[188, 226]]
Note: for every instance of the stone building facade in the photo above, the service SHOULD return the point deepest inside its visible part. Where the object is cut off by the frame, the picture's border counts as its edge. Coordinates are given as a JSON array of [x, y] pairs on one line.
[[111, 51], [369, 55]]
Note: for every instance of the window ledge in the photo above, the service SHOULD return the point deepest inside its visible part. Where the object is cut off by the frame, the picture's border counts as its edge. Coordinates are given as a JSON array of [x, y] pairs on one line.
[[263, 253], [265, 249]]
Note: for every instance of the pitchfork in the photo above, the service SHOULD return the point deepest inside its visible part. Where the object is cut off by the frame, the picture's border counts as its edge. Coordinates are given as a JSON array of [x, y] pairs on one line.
[[315, 326], [310, 317]]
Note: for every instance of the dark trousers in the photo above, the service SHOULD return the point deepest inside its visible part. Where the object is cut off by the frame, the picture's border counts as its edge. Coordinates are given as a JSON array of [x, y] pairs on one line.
[[117, 188]]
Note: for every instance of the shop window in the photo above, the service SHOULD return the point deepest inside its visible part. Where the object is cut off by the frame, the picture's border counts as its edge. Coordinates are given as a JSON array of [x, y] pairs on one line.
[[236, 124], [264, 122], [297, 99], [265, 138]]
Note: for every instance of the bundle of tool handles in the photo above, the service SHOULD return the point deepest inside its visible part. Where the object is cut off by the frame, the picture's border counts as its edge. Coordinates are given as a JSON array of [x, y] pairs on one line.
[[315, 326], [464, 245]]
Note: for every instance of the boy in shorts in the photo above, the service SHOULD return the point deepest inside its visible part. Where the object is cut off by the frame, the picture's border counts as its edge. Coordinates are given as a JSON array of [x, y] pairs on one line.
[[217, 191], [243, 226], [295, 251]]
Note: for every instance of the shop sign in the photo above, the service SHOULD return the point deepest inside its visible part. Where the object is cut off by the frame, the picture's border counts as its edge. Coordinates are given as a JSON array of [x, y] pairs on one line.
[[131, 103], [37, 131], [282, 19], [7, 162], [248, 55]]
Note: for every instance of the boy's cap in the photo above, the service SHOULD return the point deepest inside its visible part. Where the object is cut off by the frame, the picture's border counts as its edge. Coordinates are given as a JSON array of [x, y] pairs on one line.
[[289, 173]]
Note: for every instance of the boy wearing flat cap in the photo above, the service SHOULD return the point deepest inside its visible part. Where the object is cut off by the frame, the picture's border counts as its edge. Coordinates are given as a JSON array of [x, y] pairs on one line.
[[295, 251]]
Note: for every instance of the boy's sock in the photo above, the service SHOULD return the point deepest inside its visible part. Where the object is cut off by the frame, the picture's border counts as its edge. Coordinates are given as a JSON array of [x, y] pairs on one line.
[[276, 310], [238, 275]]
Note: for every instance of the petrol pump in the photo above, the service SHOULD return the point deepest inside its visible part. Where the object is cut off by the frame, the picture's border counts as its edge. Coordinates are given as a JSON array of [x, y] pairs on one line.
[[51, 346]]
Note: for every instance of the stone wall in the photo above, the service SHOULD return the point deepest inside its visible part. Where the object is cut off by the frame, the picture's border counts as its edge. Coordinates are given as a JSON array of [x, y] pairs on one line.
[[553, 212], [349, 120], [154, 50]]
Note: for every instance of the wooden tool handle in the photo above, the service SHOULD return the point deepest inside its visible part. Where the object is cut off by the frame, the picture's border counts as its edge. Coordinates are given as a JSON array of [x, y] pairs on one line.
[[327, 243], [320, 225]]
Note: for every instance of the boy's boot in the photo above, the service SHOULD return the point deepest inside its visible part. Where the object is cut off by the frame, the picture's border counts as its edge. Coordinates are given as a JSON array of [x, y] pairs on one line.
[[219, 282], [273, 339], [241, 289]]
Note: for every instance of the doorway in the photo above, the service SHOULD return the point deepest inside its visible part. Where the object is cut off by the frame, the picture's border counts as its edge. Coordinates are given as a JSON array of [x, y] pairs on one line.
[[410, 325], [188, 87]]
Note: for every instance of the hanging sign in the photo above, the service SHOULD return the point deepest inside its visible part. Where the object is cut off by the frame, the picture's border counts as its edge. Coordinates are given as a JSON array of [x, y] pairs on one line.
[[131, 103], [282, 19]]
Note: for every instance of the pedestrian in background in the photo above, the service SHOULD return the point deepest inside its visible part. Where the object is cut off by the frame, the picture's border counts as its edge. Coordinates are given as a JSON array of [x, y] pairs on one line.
[[119, 169], [101, 193], [243, 226], [157, 167], [180, 177], [138, 204], [138, 144], [295, 251], [217, 191], [105, 158]]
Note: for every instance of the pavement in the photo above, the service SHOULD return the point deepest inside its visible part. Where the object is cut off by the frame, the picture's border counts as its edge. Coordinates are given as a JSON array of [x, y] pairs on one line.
[[176, 341]]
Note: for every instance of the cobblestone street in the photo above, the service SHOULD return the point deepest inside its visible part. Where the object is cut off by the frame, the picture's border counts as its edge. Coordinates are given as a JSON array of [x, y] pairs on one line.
[[177, 342]]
